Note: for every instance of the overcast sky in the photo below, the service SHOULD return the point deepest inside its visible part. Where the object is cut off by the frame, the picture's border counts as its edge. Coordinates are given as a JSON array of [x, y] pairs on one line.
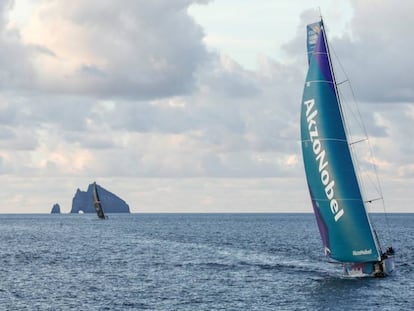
[[190, 106]]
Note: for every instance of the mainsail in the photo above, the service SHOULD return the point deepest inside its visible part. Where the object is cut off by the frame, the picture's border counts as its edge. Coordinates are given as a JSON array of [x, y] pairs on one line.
[[337, 201], [97, 202]]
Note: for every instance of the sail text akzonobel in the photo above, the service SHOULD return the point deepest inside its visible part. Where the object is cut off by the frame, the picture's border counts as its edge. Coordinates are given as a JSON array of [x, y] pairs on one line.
[[320, 153]]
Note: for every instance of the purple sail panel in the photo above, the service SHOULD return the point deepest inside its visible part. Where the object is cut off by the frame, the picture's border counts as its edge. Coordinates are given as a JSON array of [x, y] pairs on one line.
[[321, 55], [321, 223]]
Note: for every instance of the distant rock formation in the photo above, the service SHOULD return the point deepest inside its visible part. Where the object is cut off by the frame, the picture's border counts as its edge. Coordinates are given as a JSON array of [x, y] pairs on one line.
[[83, 201], [55, 209]]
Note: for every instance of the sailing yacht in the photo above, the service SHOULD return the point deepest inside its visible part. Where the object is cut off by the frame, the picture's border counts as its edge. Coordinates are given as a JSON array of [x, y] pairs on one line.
[[97, 202], [347, 234]]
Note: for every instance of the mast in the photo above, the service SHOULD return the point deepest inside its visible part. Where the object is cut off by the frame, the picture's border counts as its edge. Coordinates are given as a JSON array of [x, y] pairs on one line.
[[333, 74]]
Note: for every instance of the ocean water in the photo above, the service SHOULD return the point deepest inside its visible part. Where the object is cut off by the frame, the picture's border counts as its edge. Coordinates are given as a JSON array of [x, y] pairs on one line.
[[190, 262]]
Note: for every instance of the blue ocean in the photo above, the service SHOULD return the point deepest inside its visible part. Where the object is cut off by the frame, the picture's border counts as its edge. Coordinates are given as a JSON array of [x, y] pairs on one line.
[[190, 262]]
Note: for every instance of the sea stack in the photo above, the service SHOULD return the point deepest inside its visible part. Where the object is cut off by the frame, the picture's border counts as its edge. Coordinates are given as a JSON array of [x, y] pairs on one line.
[[55, 209]]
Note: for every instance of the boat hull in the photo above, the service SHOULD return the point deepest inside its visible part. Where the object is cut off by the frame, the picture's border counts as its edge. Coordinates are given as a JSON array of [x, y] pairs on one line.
[[381, 268]]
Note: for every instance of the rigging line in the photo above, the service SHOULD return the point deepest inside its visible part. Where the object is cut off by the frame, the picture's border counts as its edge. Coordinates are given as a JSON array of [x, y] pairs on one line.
[[355, 161], [372, 200], [362, 124], [359, 141], [350, 109], [368, 177], [342, 112], [342, 82]]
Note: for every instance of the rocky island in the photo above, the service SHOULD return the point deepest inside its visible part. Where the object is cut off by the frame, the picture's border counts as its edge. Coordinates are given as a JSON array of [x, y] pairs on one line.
[[83, 201]]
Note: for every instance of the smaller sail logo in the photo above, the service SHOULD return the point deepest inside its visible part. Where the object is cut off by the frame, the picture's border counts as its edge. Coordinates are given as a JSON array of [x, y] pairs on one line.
[[320, 153], [362, 252], [313, 33], [312, 37]]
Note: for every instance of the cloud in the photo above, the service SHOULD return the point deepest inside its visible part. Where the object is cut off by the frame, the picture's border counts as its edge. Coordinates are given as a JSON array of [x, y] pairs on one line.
[[138, 49], [134, 86], [378, 42], [375, 53], [224, 96], [128, 92], [15, 68]]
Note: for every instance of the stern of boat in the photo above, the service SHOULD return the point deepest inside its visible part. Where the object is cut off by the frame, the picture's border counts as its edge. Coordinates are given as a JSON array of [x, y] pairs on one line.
[[381, 268], [361, 269]]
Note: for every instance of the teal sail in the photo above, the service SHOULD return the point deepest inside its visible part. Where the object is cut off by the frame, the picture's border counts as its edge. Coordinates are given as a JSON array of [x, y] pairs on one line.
[[337, 201]]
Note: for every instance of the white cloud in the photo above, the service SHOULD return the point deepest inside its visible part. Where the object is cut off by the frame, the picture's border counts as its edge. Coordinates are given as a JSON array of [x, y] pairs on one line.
[[143, 49], [130, 95], [378, 42]]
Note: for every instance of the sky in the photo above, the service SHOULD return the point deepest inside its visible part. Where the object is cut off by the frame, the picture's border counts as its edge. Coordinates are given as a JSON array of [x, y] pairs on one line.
[[190, 105]]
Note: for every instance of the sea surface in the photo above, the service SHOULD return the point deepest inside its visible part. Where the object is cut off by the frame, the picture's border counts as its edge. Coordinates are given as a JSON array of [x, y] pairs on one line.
[[190, 262]]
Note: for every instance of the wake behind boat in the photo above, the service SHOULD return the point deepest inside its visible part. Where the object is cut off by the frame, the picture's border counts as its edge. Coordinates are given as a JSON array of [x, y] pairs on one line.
[[339, 207]]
